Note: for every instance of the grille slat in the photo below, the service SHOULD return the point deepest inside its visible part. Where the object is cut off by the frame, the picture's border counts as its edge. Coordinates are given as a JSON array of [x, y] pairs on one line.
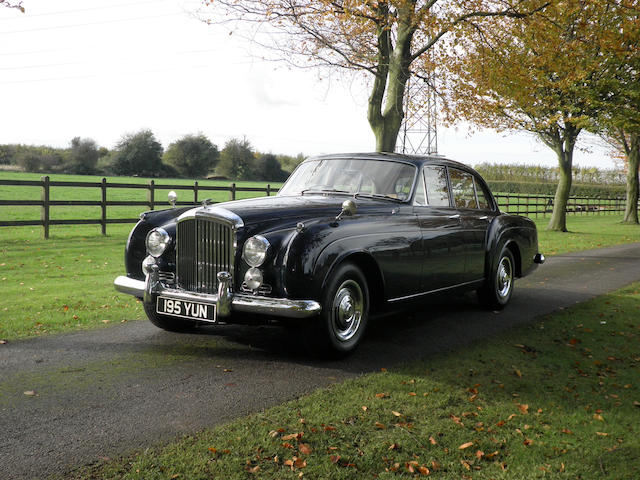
[[204, 247]]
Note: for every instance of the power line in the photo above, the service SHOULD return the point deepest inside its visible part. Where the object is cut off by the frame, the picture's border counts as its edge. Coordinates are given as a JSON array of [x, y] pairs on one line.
[[104, 7], [103, 22]]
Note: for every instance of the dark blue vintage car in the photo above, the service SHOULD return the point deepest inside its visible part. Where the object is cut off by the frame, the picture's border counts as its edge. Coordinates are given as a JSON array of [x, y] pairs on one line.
[[346, 236]]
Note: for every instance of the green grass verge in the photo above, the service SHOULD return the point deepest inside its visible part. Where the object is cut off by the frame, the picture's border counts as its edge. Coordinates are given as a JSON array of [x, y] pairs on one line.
[[586, 232], [66, 282], [557, 399]]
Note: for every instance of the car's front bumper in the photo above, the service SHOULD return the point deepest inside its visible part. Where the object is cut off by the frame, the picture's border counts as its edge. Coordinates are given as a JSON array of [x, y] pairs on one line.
[[226, 301]]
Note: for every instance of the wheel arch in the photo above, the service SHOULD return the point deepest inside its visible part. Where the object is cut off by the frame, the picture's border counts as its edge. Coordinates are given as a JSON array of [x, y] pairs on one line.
[[513, 247], [371, 271]]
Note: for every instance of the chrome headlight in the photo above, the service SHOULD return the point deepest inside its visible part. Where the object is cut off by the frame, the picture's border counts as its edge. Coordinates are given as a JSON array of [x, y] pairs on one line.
[[157, 241], [255, 250]]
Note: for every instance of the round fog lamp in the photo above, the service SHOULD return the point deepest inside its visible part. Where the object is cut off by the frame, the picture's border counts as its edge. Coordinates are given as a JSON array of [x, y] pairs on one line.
[[147, 263], [253, 278], [157, 241], [255, 250]]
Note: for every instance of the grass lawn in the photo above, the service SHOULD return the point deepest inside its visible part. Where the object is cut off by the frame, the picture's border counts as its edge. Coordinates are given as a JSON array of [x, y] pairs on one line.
[[556, 399]]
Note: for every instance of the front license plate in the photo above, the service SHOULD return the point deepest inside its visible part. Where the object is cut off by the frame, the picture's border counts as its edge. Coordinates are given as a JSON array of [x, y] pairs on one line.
[[185, 309]]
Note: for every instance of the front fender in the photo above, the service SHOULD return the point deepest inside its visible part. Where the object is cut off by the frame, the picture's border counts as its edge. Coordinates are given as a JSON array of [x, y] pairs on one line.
[[136, 249]]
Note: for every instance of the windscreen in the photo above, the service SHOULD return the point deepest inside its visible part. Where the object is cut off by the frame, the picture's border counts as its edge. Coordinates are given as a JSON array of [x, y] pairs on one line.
[[389, 179]]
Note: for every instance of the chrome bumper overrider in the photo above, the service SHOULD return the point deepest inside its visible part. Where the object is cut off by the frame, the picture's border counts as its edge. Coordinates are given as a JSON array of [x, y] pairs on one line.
[[226, 300], [539, 258]]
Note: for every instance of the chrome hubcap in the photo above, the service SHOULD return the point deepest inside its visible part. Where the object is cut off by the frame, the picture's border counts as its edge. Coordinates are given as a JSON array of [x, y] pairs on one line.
[[348, 306], [505, 277]]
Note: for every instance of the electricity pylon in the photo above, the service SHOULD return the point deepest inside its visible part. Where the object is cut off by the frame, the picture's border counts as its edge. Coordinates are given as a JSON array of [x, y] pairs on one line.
[[419, 132]]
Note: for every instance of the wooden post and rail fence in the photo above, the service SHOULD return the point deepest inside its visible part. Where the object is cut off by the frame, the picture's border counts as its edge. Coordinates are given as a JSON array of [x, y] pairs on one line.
[[522, 204]]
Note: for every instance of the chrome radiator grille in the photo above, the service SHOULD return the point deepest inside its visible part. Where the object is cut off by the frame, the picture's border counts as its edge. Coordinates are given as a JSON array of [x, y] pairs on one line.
[[204, 247]]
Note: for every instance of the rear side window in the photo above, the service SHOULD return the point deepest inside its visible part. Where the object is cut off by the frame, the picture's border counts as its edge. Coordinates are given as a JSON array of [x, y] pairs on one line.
[[435, 179], [463, 189]]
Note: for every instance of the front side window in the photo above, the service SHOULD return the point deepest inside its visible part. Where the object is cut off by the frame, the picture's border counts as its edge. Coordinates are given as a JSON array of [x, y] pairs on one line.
[[435, 179], [388, 179]]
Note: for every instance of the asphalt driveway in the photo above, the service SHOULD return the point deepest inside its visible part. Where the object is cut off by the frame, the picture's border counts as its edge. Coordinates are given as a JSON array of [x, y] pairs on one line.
[[97, 394]]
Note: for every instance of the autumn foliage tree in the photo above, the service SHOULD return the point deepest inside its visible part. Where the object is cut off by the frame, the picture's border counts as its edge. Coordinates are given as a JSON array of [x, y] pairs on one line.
[[617, 95], [535, 75], [386, 39]]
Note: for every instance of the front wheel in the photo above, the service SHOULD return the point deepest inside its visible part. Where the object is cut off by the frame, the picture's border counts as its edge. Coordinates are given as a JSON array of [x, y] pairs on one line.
[[169, 323], [345, 312], [498, 288]]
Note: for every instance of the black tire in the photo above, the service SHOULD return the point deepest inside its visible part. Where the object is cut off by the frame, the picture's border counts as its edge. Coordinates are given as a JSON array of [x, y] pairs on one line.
[[345, 313], [498, 288], [168, 323]]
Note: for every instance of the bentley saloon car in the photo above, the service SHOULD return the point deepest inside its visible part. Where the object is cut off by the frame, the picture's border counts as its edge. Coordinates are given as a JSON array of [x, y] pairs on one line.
[[347, 236]]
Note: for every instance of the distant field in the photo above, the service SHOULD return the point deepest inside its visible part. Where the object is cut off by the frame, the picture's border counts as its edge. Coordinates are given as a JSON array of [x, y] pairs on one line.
[[8, 213]]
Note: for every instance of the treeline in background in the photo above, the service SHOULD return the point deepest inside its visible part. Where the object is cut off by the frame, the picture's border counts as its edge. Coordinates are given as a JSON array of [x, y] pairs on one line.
[[539, 180], [141, 154], [195, 156]]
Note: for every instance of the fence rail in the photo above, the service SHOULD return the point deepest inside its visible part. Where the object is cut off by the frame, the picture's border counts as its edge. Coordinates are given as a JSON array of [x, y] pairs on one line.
[[522, 204], [45, 203]]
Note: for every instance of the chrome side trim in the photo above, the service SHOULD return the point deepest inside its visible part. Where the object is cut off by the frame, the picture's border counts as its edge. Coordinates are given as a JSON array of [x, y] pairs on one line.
[[417, 295], [281, 307]]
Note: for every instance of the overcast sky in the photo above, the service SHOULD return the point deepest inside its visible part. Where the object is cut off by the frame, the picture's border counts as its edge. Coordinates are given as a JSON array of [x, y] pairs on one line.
[[103, 68]]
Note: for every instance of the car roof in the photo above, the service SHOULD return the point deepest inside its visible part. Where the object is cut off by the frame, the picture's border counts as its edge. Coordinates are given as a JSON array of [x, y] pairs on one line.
[[417, 160]]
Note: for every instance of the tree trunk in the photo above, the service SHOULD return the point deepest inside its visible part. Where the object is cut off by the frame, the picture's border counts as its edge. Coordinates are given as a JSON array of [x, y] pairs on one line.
[[385, 110], [564, 150], [633, 160]]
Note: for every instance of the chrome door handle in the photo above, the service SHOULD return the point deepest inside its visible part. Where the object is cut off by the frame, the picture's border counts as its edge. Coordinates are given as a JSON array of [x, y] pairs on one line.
[[484, 217], [454, 217]]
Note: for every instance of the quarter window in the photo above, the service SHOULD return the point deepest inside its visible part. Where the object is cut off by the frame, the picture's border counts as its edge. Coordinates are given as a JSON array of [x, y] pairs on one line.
[[483, 198]]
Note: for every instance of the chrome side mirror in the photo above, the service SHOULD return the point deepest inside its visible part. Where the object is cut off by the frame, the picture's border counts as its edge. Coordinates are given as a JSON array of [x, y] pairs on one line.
[[349, 208], [173, 196]]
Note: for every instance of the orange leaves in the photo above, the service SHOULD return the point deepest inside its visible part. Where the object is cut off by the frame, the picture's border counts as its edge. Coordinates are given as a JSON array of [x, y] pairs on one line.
[[294, 463], [456, 420], [524, 408], [304, 449], [465, 445]]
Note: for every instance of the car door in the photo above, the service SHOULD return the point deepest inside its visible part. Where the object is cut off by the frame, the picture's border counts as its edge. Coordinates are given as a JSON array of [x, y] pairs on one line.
[[476, 212], [443, 249]]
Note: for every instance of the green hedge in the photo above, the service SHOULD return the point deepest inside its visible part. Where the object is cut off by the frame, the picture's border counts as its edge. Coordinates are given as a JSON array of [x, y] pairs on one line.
[[548, 188]]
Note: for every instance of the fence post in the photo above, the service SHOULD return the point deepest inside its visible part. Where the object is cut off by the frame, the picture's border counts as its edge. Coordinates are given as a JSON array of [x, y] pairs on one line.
[[44, 213], [195, 192], [233, 191], [268, 189], [151, 194], [103, 206]]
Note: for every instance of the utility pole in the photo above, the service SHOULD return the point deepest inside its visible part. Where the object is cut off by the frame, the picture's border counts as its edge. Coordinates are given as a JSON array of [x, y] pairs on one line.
[[419, 132]]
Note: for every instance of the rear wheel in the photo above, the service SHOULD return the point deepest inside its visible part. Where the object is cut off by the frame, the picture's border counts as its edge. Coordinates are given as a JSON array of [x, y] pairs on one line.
[[497, 290], [169, 323], [345, 312]]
